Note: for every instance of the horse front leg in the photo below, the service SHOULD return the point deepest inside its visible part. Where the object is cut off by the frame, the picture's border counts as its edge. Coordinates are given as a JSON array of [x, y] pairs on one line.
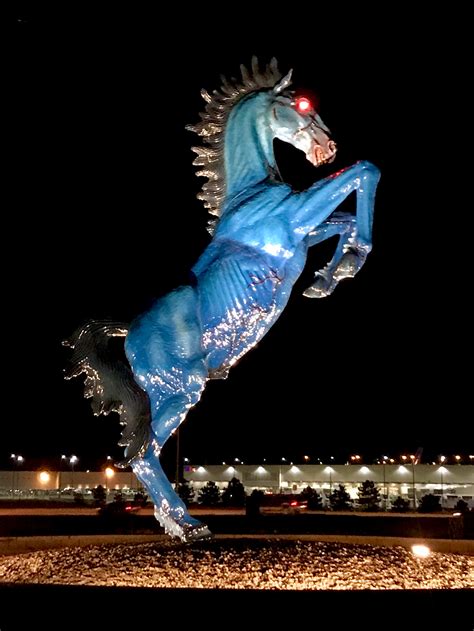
[[347, 260], [343, 226], [355, 241]]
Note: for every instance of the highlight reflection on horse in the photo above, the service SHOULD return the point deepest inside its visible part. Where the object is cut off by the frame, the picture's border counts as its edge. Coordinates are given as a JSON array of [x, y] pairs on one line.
[[242, 282]]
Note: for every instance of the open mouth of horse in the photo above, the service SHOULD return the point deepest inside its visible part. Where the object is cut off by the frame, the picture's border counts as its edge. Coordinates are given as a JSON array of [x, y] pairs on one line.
[[320, 157], [296, 170]]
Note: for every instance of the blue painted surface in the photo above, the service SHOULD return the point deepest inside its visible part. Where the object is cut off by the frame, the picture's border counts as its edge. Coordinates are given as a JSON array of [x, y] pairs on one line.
[[244, 278]]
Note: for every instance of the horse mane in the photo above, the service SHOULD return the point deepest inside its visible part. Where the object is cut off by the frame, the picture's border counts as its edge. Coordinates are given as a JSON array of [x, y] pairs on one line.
[[213, 123]]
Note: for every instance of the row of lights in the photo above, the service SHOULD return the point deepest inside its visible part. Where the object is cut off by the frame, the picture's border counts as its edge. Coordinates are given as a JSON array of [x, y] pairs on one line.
[[73, 460], [356, 458], [294, 469], [44, 476], [406, 458]]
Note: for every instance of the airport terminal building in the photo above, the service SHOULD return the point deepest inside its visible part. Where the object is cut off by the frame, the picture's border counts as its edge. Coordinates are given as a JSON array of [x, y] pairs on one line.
[[450, 482]]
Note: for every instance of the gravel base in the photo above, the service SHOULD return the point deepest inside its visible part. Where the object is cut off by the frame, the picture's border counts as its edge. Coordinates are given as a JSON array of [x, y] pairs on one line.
[[242, 564]]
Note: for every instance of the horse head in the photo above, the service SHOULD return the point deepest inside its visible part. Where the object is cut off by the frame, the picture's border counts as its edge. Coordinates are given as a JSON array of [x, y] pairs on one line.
[[239, 125], [294, 120]]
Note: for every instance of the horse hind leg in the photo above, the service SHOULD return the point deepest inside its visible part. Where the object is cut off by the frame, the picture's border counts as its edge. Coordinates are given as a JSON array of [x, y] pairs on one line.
[[170, 510], [164, 349]]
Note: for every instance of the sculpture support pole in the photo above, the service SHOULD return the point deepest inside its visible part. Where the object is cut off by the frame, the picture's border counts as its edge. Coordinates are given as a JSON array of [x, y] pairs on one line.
[[177, 460]]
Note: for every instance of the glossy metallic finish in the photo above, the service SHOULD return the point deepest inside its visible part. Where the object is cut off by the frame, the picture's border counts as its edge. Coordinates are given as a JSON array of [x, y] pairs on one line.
[[244, 277]]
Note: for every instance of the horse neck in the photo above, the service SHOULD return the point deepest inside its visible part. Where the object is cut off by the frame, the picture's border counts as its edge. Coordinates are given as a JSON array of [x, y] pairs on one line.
[[248, 149]]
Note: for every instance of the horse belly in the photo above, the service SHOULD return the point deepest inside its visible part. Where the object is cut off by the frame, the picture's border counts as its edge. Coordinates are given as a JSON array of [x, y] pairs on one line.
[[233, 323], [165, 343]]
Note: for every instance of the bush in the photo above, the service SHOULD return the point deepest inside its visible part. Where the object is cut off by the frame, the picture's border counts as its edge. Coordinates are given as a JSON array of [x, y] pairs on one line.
[[400, 505], [209, 495], [314, 499], [340, 499], [369, 496], [234, 494], [99, 495], [462, 506], [429, 504], [254, 502]]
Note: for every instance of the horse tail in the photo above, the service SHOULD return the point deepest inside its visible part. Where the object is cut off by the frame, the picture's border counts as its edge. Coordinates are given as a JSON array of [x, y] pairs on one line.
[[109, 382]]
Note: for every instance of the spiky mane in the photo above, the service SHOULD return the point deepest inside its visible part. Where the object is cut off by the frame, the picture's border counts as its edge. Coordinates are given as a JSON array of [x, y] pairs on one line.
[[213, 123]]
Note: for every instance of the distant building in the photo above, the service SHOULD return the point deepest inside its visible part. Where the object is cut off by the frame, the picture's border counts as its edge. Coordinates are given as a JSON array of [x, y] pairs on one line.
[[450, 482]]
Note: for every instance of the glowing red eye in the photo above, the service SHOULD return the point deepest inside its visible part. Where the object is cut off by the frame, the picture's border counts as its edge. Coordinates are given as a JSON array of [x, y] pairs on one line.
[[303, 105]]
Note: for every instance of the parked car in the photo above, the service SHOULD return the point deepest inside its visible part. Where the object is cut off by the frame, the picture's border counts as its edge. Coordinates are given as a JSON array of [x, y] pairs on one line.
[[294, 506]]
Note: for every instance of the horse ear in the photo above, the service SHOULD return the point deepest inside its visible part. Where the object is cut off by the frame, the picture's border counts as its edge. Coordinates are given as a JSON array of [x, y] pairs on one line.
[[283, 83]]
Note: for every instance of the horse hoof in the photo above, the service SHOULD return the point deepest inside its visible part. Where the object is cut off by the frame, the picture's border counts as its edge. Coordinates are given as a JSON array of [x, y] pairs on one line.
[[319, 289], [196, 533], [348, 266]]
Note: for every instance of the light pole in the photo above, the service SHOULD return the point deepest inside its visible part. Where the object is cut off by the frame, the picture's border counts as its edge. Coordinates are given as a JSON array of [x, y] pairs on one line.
[[441, 472], [72, 461], [280, 477], [17, 461], [413, 481], [177, 460], [329, 471], [385, 493], [442, 488]]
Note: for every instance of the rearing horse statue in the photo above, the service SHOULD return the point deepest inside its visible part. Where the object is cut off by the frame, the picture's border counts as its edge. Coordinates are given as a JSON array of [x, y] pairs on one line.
[[242, 282]]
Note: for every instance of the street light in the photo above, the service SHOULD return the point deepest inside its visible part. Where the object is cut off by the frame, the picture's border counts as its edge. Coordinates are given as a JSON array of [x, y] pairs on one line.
[[280, 476], [413, 480], [18, 460], [385, 493], [72, 461], [329, 470], [441, 471]]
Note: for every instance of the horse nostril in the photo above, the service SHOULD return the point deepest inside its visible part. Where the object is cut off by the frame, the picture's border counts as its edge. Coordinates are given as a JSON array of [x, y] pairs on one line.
[[332, 147]]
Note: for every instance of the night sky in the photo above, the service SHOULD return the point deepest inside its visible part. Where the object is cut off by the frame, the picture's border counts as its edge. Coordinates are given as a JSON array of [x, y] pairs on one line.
[[104, 219]]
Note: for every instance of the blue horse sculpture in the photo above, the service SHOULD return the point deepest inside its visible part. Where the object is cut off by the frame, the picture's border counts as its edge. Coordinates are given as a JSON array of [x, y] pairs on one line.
[[242, 282]]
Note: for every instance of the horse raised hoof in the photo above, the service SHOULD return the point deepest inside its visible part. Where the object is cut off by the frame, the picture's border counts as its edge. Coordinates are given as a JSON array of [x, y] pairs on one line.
[[350, 263], [322, 287]]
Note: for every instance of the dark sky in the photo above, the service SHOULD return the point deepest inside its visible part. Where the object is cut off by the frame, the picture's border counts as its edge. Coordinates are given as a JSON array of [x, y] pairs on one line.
[[104, 219]]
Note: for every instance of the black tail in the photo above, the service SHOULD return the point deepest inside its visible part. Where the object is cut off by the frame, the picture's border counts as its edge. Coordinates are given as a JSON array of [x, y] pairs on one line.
[[110, 384]]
